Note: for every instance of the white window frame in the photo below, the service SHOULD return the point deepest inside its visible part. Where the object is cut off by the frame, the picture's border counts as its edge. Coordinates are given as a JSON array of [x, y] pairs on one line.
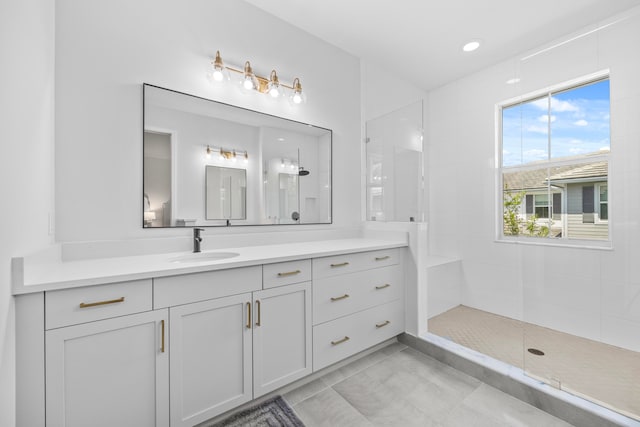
[[565, 241], [597, 202]]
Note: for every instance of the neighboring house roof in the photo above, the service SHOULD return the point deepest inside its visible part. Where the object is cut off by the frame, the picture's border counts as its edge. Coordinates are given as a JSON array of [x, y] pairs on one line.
[[538, 178]]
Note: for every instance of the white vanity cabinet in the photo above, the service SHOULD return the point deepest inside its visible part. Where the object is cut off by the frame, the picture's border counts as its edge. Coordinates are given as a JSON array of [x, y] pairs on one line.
[[178, 350], [227, 351], [358, 301], [211, 358], [281, 336], [111, 372]]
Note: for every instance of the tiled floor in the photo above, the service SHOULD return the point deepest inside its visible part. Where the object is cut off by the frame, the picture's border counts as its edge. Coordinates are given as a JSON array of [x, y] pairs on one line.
[[603, 373], [399, 386]]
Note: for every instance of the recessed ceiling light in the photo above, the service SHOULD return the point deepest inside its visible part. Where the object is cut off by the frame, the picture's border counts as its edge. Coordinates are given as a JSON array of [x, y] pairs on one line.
[[513, 81], [471, 46]]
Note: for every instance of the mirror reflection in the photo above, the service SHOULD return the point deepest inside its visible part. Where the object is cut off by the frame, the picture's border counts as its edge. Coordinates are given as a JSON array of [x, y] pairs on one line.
[[226, 190], [207, 163]]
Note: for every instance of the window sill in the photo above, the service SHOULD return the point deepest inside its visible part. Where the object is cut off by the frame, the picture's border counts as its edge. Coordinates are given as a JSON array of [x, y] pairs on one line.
[[604, 245]]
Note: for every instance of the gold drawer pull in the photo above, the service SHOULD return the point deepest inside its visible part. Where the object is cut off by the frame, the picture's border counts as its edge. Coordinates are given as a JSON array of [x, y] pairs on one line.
[[345, 339], [94, 304], [382, 258], [259, 315], [386, 285], [333, 299], [342, 264], [162, 345], [380, 325], [248, 315], [289, 273]]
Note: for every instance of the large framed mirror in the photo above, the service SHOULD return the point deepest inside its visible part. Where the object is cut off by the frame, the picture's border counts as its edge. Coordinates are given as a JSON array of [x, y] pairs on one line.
[[206, 163]]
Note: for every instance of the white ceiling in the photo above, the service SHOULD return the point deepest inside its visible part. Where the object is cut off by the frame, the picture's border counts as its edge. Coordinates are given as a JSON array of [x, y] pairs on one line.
[[422, 39]]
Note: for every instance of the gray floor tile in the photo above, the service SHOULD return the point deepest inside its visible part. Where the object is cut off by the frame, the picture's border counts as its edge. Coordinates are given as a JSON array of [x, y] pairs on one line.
[[508, 410], [304, 392], [398, 386], [401, 413], [329, 409]]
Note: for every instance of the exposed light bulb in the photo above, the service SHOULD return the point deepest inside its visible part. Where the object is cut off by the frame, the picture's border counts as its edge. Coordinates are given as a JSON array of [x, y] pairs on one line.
[[249, 78], [273, 88], [220, 72], [297, 97]]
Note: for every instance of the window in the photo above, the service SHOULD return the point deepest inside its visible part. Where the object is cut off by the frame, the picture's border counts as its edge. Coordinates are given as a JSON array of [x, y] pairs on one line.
[[603, 212], [554, 163]]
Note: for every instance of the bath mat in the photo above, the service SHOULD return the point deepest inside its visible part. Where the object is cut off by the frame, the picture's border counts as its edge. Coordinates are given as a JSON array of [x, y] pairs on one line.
[[274, 412]]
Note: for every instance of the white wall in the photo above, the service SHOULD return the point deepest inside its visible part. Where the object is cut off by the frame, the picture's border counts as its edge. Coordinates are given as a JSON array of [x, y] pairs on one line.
[[105, 51], [26, 163], [591, 293]]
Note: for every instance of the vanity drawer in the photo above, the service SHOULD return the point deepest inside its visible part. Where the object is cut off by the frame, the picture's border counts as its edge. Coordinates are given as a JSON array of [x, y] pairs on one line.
[[339, 296], [349, 263], [286, 273], [188, 288], [87, 304], [340, 338]]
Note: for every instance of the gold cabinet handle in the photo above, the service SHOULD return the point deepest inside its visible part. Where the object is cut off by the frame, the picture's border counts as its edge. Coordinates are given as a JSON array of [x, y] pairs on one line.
[[386, 285], [94, 304], [248, 315], [341, 264], [345, 339], [289, 273], [259, 316], [334, 299], [382, 258], [162, 344], [380, 325]]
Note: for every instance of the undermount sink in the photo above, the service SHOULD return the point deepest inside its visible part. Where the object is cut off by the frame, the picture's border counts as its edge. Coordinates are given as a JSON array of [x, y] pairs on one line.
[[204, 257]]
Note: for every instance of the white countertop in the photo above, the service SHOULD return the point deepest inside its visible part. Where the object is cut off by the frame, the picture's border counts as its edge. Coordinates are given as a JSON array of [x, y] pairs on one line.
[[37, 277]]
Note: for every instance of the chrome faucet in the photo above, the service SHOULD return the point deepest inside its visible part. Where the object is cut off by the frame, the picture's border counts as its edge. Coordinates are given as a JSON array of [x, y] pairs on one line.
[[197, 239]]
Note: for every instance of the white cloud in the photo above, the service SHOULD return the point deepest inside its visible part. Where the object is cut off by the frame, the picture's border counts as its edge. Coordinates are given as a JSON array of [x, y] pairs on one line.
[[577, 150], [563, 106], [556, 105], [535, 154], [538, 129], [581, 122], [545, 118]]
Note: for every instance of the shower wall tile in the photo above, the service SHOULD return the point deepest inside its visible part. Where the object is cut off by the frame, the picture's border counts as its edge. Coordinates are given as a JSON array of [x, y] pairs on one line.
[[592, 293], [621, 332]]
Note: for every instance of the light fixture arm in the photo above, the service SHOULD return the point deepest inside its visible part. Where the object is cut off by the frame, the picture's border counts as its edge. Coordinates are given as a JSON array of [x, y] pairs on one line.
[[262, 82]]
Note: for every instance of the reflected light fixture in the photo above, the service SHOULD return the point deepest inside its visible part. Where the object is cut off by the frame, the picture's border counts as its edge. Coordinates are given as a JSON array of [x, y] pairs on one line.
[[253, 82], [227, 154]]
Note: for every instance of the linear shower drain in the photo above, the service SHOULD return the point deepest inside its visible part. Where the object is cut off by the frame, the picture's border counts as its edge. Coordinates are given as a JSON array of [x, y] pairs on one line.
[[535, 351]]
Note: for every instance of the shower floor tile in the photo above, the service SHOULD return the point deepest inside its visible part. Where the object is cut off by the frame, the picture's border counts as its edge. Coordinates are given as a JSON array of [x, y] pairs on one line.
[[598, 372]]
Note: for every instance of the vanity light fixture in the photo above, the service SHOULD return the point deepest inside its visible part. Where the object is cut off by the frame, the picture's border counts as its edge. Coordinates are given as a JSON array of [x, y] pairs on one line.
[[253, 82]]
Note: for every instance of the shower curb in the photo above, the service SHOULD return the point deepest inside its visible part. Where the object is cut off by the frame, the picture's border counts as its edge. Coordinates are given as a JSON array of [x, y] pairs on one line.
[[528, 393]]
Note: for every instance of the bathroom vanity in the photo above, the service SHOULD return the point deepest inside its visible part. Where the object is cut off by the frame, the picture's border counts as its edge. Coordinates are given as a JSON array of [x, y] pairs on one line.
[[176, 339]]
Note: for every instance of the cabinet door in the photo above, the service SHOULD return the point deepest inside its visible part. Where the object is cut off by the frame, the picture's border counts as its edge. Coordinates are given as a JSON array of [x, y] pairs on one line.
[[210, 358], [109, 373], [281, 336]]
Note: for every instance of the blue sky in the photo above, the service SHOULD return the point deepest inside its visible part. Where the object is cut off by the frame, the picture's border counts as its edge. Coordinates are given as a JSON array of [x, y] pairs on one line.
[[578, 120]]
